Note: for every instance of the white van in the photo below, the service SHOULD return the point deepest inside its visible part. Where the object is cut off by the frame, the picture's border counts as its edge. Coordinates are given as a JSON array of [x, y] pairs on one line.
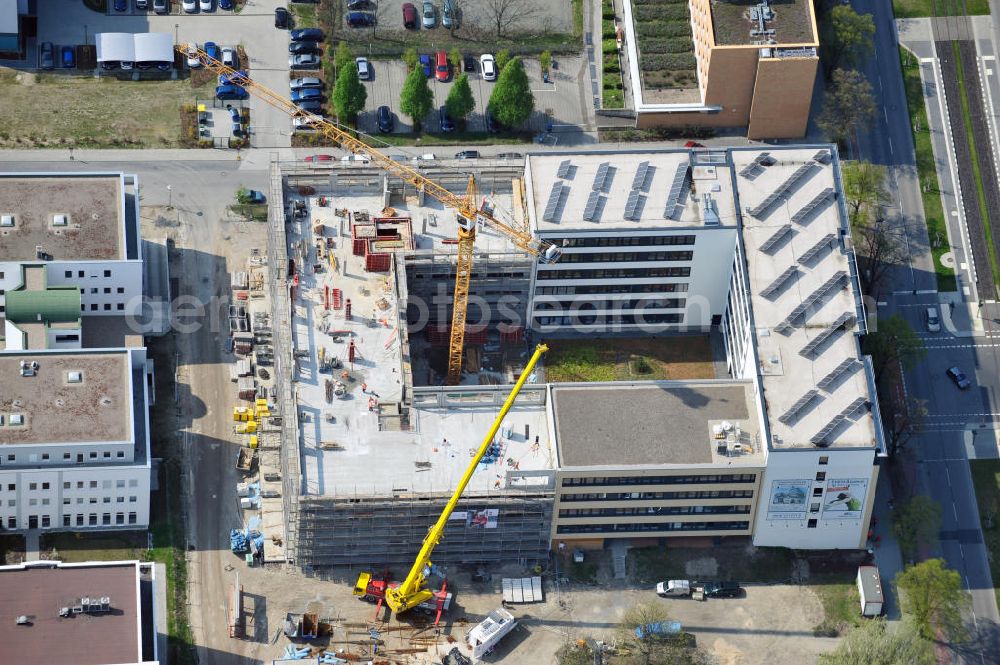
[[933, 322]]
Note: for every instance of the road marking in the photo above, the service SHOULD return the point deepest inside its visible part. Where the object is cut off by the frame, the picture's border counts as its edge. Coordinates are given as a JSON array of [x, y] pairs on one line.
[[926, 60], [954, 511], [963, 346], [948, 474]]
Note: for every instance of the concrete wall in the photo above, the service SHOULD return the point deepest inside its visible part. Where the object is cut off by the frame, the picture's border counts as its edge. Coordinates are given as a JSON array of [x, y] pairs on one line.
[[782, 96], [730, 81]]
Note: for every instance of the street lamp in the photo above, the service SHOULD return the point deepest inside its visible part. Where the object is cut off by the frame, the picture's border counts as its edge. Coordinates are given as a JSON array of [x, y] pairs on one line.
[[170, 196]]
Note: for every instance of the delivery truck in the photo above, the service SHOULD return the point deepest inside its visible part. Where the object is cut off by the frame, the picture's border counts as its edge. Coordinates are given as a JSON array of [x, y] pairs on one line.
[[870, 591]]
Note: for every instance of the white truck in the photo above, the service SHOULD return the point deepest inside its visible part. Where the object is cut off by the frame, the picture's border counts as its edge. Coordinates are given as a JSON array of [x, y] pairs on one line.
[[870, 591], [488, 633], [674, 589]]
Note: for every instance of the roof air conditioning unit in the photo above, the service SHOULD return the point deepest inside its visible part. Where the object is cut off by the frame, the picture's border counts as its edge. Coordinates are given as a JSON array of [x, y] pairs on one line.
[[16, 419], [7, 220], [74, 377], [60, 220], [65, 612], [23, 620]]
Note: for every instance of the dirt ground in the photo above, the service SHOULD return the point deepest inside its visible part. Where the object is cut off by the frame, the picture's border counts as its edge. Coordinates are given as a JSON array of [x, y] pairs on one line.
[[639, 359]]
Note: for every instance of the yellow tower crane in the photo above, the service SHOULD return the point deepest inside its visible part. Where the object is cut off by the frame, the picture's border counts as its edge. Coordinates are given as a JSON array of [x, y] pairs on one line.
[[470, 214]]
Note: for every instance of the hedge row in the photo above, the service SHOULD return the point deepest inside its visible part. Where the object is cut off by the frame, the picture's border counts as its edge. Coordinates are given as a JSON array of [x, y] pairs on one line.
[[608, 13], [665, 30], [662, 13], [675, 45], [609, 46], [675, 61], [611, 66]]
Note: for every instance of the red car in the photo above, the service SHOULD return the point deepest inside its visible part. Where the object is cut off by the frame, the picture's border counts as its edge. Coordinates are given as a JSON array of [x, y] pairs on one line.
[[442, 69], [693, 144], [319, 158], [409, 16]]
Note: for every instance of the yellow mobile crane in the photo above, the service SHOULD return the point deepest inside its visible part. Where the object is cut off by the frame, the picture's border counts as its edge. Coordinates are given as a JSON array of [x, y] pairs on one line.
[[469, 213]]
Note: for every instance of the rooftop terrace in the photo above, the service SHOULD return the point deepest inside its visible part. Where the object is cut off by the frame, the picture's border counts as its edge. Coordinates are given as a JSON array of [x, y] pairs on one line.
[[94, 211], [55, 408], [803, 293], [739, 22], [603, 191]]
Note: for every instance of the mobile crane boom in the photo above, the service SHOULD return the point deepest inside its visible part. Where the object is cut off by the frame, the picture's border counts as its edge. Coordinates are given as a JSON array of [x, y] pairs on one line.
[[413, 590], [469, 212]]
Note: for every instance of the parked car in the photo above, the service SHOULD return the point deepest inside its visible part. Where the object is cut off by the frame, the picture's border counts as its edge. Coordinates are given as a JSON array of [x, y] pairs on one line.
[[303, 122], [142, 4], [304, 47], [356, 158], [126, 65], [364, 68], [307, 93], [355, 5], [226, 79], [447, 124], [658, 629], [723, 590], [164, 66], [427, 64], [383, 119], [304, 61], [489, 67], [235, 114], [307, 35], [191, 51], [318, 158], [490, 121], [469, 62], [161, 7], [429, 14], [206, 5], [109, 65], [226, 4], [360, 19], [447, 13], [46, 59], [121, 5], [212, 50], [189, 6], [674, 589], [467, 154], [409, 16], [230, 92], [311, 105], [441, 67], [933, 321], [256, 197], [281, 18], [693, 144], [68, 57], [229, 57], [305, 82], [959, 377]]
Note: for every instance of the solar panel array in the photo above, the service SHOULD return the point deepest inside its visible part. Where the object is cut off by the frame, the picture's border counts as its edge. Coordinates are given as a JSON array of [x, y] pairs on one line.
[[820, 436], [789, 416], [823, 157], [601, 179], [634, 205], [555, 200], [820, 339], [641, 174], [593, 201], [681, 176], [773, 242], [853, 407], [779, 283], [815, 299], [756, 167], [818, 248], [805, 213], [564, 168], [848, 365], [765, 206]]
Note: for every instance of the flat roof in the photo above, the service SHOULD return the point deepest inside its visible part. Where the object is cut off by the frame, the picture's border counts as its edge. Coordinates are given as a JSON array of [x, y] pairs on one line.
[[98, 408], [806, 306], [655, 423], [791, 22], [661, 199], [94, 206], [38, 591]]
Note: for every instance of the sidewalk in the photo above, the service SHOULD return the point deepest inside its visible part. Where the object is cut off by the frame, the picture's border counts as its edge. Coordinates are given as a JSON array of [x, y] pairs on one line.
[[888, 557]]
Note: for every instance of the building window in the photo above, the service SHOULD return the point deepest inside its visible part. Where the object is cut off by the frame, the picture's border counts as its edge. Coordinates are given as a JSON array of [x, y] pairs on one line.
[[93, 483], [46, 522], [45, 486], [67, 501], [45, 456], [66, 455], [93, 499], [79, 484], [107, 454], [121, 289], [32, 486], [66, 486], [92, 519], [119, 483], [11, 458], [79, 273], [11, 503], [107, 273], [814, 507], [93, 290], [820, 475], [132, 499], [107, 306], [66, 520], [119, 518], [120, 306], [120, 454], [106, 519], [824, 459], [106, 484], [131, 518], [817, 491], [107, 289], [68, 274], [79, 519], [11, 522], [45, 502], [812, 523], [133, 483], [106, 499], [93, 307], [32, 502], [11, 487]]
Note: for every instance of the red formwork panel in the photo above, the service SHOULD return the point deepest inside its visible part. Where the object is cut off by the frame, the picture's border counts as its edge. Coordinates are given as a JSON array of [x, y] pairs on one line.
[[377, 262]]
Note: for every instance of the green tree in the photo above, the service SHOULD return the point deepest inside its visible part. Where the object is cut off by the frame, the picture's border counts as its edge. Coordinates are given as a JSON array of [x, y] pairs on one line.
[[460, 101], [846, 38], [916, 523], [503, 57], [349, 94], [416, 98], [894, 341], [411, 58], [864, 189], [545, 60], [243, 195], [849, 104], [877, 642], [512, 101], [342, 58], [656, 649], [933, 596], [455, 58]]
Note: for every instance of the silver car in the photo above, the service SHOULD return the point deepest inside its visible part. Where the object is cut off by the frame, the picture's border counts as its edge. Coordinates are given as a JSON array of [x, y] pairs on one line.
[[305, 82], [429, 14], [304, 61]]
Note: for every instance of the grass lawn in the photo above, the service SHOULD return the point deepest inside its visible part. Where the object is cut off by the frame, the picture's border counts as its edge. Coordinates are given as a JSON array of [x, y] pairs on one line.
[[91, 113], [305, 15], [648, 565], [923, 8], [11, 549], [630, 359], [937, 230], [986, 478], [77, 547], [841, 604]]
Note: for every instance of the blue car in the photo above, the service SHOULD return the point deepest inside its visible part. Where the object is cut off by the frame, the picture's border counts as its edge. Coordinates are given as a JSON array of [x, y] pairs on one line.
[[308, 93], [234, 113], [307, 35], [310, 105], [225, 4], [224, 79], [212, 49], [68, 57], [230, 92], [121, 5], [427, 62]]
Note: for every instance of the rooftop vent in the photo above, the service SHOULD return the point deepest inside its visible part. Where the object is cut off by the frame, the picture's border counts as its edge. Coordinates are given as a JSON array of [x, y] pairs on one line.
[[23, 620], [65, 612], [16, 419], [7, 220], [29, 367], [60, 220], [74, 377]]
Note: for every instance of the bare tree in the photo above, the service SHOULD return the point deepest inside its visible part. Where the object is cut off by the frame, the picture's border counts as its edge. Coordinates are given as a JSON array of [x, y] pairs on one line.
[[881, 246], [504, 16], [905, 421]]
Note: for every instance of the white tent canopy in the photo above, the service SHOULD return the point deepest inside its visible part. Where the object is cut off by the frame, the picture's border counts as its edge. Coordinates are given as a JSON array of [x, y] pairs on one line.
[[154, 47], [115, 47]]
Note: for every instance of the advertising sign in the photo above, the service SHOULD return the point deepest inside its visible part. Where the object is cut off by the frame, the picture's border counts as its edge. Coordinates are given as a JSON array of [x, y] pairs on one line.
[[487, 518], [788, 499], [844, 499]]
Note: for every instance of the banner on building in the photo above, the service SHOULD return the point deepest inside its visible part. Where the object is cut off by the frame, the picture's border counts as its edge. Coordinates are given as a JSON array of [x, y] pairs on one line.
[[788, 499], [845, 498], [487, 518]]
